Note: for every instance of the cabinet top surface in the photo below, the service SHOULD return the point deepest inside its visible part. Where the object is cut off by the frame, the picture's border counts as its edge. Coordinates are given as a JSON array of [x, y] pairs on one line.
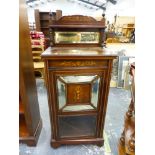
[[61, 52]]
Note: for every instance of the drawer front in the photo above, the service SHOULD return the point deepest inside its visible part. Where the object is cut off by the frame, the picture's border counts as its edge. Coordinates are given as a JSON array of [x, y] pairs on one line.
[[78, 63]]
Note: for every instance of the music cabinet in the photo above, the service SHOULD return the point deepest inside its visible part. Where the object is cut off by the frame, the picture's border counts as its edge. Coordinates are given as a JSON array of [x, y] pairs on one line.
[[78, 72]]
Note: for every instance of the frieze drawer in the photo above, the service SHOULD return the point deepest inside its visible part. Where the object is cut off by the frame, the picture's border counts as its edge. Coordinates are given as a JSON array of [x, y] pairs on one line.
[[78, 63]]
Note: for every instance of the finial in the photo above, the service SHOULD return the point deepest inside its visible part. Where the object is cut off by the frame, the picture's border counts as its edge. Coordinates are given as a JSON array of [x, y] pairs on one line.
[[103, 15]]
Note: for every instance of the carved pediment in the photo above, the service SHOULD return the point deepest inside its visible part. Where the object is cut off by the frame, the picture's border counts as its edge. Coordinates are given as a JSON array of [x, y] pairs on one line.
[[79, 20]]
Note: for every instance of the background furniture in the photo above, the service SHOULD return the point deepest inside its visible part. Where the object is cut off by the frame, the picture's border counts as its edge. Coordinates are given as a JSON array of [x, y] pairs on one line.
[[78, 74], [38, 42], [37, 62], [42, 22], [30, 123], [127, 140]]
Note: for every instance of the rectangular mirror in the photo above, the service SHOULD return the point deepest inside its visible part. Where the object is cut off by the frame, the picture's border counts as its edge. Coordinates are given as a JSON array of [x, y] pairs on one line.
[[94, 95], [76, 37], [61, 93]]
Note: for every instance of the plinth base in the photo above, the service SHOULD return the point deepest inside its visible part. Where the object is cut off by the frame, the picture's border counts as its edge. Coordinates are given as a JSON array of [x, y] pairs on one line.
[[58, 143]]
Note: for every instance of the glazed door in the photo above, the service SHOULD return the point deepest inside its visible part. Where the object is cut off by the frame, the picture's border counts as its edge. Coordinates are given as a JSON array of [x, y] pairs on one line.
[[78, 100], [77, 93]]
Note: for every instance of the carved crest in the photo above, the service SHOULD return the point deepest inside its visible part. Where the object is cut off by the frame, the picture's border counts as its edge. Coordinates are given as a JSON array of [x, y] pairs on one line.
[[79, 20]]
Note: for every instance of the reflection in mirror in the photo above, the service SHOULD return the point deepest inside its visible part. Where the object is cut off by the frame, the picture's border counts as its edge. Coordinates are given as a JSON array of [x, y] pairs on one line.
[[61, 94], [76, 37], [95, 88]]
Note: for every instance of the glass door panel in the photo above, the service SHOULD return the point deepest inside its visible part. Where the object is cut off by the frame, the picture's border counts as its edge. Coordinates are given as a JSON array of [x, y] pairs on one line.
[[78, 93], [75, 126]]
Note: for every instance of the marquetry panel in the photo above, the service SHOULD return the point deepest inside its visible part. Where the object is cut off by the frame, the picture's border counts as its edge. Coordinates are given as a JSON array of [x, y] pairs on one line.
[[78, 63], [78, 93]]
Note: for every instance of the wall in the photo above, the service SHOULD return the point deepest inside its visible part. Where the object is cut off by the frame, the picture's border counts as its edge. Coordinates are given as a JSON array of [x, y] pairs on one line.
[[67, 8], [124, 20], [122, 8]]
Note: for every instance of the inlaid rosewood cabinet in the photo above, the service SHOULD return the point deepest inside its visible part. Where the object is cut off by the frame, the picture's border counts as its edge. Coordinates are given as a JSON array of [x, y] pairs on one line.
[[78, 72]]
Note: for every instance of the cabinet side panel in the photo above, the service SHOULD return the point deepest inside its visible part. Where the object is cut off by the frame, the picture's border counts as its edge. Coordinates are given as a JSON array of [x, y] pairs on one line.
[[105, 98], [27, 82]]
